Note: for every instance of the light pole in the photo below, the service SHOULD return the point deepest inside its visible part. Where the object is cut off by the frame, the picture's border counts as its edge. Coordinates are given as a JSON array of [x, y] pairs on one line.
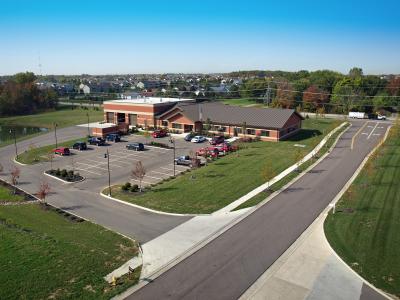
[[88, 130], [107, 155], [15, 142], [55, 133], [172, 141]]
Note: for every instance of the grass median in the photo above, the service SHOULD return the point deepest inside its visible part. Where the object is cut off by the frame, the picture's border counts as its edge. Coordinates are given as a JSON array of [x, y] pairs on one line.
[[44, 256], [7, 195], [36, 155], [210, 188], [365, 228]]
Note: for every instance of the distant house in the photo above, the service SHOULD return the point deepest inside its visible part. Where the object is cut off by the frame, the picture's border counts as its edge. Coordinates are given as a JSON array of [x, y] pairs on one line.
[[130, 95], [219, 89], [84, 89]]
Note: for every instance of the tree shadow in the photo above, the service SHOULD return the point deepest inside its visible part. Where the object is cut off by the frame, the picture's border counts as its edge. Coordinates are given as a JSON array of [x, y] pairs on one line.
[[304, 134]]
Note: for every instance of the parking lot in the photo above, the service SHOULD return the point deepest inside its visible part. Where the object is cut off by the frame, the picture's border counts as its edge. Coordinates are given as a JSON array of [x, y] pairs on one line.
[[158, 162]]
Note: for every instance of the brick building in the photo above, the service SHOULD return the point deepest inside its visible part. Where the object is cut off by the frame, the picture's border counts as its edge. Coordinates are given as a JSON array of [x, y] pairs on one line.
[[185, 115]]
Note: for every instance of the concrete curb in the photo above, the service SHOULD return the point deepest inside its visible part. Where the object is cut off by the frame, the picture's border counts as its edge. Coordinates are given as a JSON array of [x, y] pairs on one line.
[[204, 242], [149, 209], [19, 163], [64, 181]]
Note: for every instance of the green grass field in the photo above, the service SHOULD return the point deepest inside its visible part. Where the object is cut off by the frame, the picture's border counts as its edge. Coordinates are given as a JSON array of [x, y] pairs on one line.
[[63, 116], [46, 256], [210, 188], [242, 102], [365, 229], [6, 195], [36, 155]]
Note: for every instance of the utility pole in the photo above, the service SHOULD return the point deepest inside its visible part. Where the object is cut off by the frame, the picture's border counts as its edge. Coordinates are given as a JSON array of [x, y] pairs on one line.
[[107, 155], [15, 142], [88, 130], [172, 141], [268, 95], [55, 133]]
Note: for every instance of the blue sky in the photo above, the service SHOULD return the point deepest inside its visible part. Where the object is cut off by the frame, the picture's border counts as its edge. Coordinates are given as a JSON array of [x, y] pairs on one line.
[[108, 37]]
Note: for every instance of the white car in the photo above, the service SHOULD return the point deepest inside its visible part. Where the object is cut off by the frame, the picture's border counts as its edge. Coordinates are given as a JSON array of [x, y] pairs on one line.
[[198, 139], [381, 117]]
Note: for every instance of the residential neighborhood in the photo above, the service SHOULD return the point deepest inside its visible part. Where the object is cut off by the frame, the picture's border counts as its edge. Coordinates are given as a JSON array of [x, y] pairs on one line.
[[205, 150]]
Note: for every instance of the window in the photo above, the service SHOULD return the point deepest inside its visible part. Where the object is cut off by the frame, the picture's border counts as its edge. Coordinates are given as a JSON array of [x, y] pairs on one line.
[[251, 131], [264, 133], [222, 129], [164, 123], [176, 126], [214, 128], [238, 130]]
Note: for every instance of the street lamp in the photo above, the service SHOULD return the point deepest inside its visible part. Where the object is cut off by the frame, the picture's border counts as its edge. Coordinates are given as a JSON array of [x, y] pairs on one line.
[[15, 142], [172, 141], [88, 130], [107, 155], [55, 133]]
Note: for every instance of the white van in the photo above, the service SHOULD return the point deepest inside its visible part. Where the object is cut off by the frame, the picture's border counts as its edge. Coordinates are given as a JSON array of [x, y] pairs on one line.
[[356, 115]]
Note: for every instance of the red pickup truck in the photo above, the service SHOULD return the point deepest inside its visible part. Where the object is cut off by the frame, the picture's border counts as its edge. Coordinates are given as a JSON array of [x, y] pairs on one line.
[[62, 151], [159, 133]]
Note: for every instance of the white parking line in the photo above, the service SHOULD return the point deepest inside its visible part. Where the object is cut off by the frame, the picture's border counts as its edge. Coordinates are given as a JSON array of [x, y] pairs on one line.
[[376, 125], [158, 178], [142, 181], [87, 171], [158, 148], [160, 173], [166, 168], [365, 133], [91, 166]]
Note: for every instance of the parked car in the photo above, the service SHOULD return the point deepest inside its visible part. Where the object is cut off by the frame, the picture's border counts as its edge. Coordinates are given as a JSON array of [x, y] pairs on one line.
[[184, 160], [113, 137], [207, 152], [225, 147], [381, 117], [189, 136], [62, 151], [98, 141], [159, 133], [198, 139], [79, 146], [217, 140], [135, 146]]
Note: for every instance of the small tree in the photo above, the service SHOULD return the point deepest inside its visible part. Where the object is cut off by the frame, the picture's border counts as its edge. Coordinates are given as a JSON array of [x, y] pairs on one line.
[[32, 148], [194, 160], [15, 173], [267, 173], [244, 128], [138, 172], [207, 125], [50, 157], [298, 157], [43, 191]]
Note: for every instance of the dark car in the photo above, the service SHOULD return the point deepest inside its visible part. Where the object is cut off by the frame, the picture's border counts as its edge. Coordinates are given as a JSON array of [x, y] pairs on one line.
[[159, 133], [79, 146], [217, 140], [98, 141], [189, 136], [61, 151], [113, 137], [135, 146]]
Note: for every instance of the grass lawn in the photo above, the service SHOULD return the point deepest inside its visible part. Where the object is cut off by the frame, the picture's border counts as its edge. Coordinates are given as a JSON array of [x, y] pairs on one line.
[[7, 195], [365, 229], [40, 154], [285, 180], [63, 116], [210, 188], [44, 256]]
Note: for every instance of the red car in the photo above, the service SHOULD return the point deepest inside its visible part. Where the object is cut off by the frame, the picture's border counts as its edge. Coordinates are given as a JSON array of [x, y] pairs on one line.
[[224, 147], [209, 151], [159, 133], [61, 151], [217, 140]]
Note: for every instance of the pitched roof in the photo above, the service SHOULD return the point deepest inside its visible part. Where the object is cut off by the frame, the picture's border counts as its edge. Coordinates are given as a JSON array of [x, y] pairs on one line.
[[234, 115]]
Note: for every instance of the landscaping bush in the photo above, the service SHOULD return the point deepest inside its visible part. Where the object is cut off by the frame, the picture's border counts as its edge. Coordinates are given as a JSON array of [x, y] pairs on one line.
[[126, 186], [70, 174], [58, 172], [134, 188], [161, 145], [64, 173]]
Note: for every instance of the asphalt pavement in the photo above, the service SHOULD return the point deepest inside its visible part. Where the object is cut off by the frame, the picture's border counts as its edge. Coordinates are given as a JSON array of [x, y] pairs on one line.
[[226, 267]]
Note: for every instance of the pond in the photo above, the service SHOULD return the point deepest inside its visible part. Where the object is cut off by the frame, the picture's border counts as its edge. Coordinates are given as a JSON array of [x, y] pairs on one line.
[[20, 131]]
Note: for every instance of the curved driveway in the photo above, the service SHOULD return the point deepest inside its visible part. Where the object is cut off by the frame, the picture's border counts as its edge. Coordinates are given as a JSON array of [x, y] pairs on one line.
[[226, 267], [83, 198]]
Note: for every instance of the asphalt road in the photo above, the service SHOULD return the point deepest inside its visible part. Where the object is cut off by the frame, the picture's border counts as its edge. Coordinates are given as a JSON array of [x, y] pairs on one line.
[[226, 267], [83, 198]]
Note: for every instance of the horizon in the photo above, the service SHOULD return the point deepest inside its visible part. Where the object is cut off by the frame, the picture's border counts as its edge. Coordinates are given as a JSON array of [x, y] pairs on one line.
[[120, 37]]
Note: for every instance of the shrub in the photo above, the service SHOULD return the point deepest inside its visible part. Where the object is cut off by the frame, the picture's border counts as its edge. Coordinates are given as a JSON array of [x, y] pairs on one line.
[[70, 173], [134, 188], [64, 173], [58, 172], [126, 186]]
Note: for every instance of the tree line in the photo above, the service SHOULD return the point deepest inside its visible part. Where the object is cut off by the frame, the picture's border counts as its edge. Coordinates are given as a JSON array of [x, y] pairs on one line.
[[321, 90], [19, 95]]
